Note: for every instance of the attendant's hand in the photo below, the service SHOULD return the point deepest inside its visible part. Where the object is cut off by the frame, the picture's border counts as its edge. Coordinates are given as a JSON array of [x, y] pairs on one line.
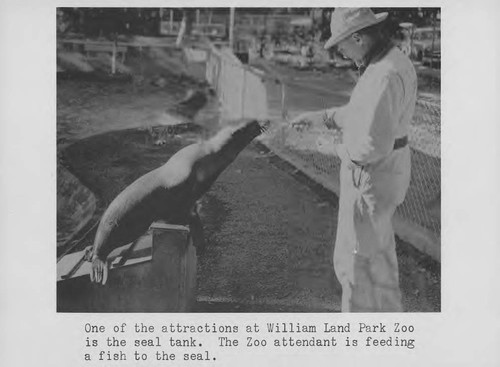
[[329, 122], [309, 120]]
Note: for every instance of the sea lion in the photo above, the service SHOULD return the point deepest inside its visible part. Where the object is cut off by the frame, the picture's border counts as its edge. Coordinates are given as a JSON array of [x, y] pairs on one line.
[[168, 193]]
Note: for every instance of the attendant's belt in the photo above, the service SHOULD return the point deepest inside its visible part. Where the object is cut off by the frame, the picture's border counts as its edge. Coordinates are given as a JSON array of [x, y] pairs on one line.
[[401, 142], [398, 144]]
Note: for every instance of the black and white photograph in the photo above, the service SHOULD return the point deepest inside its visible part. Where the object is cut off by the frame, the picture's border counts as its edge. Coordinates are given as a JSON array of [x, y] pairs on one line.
[[249, 183], [248, 159]]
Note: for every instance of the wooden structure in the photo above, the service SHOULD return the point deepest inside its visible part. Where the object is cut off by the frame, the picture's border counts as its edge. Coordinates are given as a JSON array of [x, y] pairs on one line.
[[105, 47], [109, 48], [156, 273]]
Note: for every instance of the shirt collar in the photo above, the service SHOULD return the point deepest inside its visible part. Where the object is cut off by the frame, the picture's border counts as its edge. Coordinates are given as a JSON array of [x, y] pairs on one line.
[[375, 54]]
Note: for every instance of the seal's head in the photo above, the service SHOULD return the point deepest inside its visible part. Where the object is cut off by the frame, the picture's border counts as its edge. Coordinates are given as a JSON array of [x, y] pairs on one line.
[[233, 139], [221, 150]]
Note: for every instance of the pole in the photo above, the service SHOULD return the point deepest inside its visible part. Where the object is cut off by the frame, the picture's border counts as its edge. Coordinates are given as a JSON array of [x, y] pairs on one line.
[[231, 28], [113, 56], [160, 21], [171, 21], [182, 30], [433, 38]]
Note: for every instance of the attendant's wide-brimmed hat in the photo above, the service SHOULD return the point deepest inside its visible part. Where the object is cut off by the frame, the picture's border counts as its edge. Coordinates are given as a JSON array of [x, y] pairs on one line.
[[346, 21]]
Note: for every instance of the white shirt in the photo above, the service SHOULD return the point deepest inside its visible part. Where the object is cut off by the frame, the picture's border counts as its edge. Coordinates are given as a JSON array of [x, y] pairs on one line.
[[380, 109]]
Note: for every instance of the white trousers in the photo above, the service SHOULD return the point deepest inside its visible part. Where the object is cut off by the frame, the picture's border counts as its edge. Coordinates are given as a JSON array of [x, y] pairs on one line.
[[365, 260]]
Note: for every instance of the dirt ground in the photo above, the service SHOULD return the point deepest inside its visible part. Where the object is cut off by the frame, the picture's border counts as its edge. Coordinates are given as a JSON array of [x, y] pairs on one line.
[[269, 229]]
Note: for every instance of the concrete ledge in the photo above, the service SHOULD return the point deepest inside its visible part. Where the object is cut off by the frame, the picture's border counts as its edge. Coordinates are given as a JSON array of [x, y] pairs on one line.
[[419, 237]]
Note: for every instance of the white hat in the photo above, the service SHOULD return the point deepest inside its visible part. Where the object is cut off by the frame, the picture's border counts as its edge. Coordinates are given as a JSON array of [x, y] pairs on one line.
[[346, 21]]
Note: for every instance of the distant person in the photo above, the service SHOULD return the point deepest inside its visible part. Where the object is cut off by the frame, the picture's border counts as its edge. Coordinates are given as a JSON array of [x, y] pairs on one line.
[[375, 169], [401, 39], [262, 46], [310, 51], [304, 50], [399, 35]]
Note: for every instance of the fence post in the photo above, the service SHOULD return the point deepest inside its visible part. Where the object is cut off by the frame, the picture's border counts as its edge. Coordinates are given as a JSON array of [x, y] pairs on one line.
[[231, 28], [113, 58], [243, 90]]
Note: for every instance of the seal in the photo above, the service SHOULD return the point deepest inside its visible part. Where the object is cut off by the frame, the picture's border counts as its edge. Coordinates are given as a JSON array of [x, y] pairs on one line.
[[169, 193]]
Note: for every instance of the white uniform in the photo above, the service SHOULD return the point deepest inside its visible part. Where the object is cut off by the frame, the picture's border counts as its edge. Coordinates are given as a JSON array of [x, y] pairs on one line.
[[374, 179]]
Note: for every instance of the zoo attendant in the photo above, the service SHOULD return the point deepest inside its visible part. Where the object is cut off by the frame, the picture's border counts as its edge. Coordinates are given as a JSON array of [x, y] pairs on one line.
[[375, 169]]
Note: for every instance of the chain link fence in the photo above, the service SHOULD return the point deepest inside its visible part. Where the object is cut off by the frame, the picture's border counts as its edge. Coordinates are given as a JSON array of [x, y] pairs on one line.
[[417, 220]]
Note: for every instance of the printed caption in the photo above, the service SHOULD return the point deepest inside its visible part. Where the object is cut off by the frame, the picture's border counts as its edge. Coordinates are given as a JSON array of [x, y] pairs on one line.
[[208, 342]]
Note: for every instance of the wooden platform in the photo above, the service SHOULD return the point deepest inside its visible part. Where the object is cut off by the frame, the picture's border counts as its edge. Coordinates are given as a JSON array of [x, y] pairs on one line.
[[157, 273]]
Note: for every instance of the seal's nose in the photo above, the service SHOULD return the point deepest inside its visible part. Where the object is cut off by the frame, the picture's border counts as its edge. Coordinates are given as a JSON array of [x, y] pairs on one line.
[[265, 125]]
